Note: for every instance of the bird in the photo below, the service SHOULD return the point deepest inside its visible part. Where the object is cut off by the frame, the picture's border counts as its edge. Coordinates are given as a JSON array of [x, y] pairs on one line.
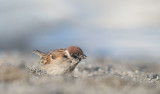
[[61, 61]]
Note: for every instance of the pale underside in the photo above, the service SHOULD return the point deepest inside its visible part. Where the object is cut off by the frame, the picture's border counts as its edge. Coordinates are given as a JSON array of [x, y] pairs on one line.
[[60, 66]]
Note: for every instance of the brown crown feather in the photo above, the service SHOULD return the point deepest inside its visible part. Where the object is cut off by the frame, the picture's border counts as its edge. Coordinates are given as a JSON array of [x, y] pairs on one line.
[[74, 50]]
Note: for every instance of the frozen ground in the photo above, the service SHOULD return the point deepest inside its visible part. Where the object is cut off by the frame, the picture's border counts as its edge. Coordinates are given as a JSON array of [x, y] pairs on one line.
[[99, 76]]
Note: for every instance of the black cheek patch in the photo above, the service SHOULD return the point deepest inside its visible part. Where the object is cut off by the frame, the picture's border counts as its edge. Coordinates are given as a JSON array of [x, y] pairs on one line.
[[52, 57], [65, 56]]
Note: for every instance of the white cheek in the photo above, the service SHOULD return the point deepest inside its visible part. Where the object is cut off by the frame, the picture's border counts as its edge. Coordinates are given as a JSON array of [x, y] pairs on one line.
[[67, 53]]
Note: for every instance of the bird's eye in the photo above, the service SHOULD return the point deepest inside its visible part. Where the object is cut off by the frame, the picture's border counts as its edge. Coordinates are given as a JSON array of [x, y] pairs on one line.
[[74, 56]]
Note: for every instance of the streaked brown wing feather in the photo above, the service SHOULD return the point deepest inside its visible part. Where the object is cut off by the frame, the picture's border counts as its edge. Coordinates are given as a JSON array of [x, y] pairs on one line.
[[46, 59]]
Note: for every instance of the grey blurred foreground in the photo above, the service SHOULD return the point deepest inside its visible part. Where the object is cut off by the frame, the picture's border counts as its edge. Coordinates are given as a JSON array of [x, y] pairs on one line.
[[20, 74]]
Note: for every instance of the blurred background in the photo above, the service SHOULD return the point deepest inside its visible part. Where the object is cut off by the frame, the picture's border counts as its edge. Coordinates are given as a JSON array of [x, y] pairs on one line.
[[118, 29]]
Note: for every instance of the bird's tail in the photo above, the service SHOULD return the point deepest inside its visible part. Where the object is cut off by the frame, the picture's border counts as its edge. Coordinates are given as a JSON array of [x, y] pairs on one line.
[[38, 53]]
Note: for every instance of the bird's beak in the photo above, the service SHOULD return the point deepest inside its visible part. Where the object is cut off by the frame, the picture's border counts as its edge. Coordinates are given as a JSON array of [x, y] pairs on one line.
[[84, 56]]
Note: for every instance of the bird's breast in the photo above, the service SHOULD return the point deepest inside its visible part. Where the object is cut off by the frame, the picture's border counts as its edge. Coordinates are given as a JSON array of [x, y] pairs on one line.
[[59, 67]]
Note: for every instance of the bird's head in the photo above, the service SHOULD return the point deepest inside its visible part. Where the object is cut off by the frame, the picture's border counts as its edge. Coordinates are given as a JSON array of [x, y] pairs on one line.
[[76, 52]]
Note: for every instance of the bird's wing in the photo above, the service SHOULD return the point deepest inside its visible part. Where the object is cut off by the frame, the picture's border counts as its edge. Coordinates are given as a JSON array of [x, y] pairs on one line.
[[53, 55]]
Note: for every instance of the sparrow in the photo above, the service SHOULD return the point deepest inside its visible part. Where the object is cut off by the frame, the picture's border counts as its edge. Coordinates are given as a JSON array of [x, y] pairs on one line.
[[61, 61]]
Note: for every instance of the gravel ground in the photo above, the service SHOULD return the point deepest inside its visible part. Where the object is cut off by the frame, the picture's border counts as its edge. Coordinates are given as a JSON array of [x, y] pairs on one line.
[[20, 74]]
